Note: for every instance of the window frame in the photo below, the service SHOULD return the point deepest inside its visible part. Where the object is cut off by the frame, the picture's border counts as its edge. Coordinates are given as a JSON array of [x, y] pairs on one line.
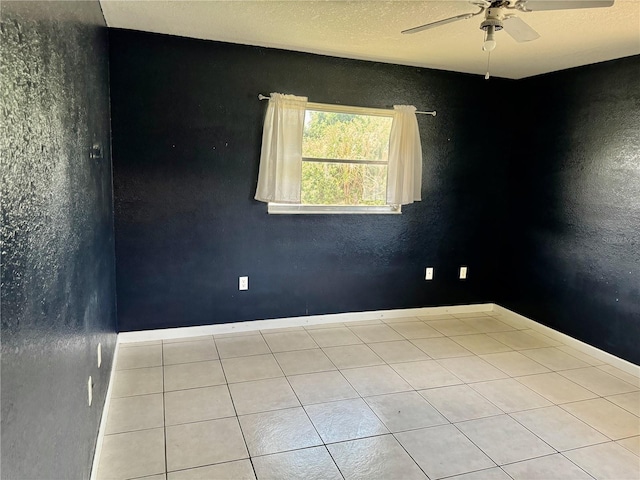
[[300, 208]]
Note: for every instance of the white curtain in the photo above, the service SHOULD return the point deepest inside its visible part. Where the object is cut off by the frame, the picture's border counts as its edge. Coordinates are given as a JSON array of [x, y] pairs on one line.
[[404, 179], [280, 171]]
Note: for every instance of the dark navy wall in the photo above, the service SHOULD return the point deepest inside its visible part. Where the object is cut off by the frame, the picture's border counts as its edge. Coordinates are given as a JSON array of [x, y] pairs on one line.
[[537, 195], [58, 279], [187, 129], [574, 226]]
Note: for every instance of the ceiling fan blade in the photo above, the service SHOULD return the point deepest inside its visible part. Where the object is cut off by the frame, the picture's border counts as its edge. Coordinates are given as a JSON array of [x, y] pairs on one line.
[[438, 23], [539, 5], [519, 29]]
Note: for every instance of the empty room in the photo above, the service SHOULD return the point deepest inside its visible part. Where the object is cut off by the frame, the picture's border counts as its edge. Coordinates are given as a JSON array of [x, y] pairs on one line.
[[320, 240]]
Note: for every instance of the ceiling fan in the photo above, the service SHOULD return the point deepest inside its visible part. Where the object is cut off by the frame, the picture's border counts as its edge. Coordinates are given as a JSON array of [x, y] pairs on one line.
[[501, 14]]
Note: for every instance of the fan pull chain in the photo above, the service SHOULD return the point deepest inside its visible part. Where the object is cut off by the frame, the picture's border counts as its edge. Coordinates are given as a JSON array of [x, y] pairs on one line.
[[486, 76]]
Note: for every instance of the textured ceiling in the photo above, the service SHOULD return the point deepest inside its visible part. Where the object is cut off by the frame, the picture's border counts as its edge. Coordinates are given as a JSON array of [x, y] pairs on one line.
[[370, 30]]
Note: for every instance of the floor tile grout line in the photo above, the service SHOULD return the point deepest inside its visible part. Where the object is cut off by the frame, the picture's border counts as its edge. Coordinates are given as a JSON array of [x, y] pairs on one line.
[[380, 419], [505, 412], [309, 373], [409, 454], [314, 426], [303, 448], [164, 418], [439, 360], [605, 442], [237, 417], [495, 339], [476, 445], [541, 439], [592, 426], [138, 368], [474, 391], [477, 471], [599, 367], [507, 373], [623, 408], [344, 399], [273, 352], [543, 456], [203, 420], [555, 347], [475, 382], [287, 351], [258, 334], [201, 466], [313, 404], [634, 388], [584, 354], [559, 372], [564, 378], [393, 433], [169, 364], [334, 461], [633, 452], [532, 432], [290, 450], [375, 325], [361, 366], [576, 465], [195, 388]]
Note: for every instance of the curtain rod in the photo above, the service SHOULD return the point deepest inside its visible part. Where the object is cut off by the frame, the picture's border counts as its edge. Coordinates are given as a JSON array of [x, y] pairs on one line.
[[432, 113]]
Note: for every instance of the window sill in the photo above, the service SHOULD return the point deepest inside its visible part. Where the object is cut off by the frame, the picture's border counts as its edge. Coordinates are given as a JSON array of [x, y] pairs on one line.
[[294, 209]]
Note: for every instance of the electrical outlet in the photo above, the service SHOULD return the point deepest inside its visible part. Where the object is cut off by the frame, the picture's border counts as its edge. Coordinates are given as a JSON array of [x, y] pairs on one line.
[[90, 390], [99, 355], [243, 283], [428, 275], [463, 273]]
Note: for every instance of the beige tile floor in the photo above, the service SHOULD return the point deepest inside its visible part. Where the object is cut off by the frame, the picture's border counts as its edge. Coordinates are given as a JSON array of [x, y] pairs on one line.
[[458, 397]]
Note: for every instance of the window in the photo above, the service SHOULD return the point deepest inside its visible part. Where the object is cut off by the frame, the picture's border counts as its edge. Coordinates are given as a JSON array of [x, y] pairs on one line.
[[319, 158], [345, 153]]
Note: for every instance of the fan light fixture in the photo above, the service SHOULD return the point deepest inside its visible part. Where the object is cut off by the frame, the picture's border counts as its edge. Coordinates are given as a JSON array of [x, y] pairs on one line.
[[489, 42], [491, 25]]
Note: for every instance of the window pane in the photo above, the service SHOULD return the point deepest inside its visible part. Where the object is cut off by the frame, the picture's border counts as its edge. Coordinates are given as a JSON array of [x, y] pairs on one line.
[[345, 136], [325, 183]]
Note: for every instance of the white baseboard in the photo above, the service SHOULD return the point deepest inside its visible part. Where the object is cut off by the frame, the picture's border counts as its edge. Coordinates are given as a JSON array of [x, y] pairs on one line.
[[617, 362], [237, 327], [103, 418], [183, 332]]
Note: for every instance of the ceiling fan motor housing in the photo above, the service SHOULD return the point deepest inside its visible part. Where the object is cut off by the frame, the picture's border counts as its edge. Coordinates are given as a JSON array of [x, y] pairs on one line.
[[493, 19], [491, 22]]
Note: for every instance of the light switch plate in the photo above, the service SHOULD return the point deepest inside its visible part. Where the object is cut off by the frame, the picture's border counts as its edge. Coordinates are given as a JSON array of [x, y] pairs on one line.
[[428, 275], [463, 273]]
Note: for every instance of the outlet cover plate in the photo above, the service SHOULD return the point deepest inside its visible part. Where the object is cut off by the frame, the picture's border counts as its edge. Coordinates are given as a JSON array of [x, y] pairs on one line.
[[463, 273]]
